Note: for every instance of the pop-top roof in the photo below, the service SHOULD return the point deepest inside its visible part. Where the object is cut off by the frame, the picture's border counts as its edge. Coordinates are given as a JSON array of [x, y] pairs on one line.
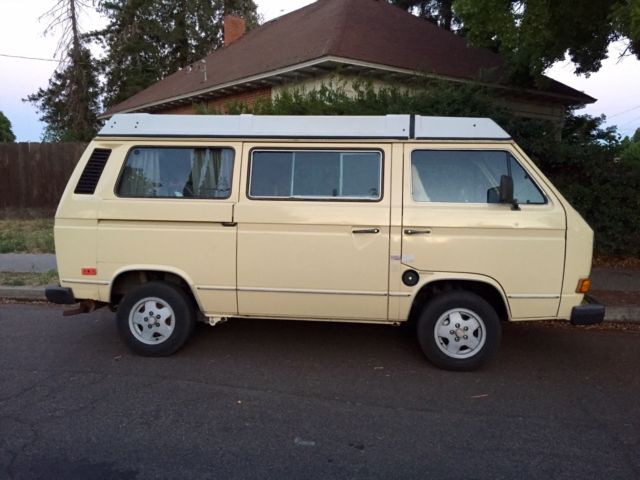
[[313, 127]]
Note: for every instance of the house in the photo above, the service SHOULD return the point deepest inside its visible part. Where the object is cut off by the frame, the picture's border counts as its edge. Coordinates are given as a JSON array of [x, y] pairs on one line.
[[343, 40]]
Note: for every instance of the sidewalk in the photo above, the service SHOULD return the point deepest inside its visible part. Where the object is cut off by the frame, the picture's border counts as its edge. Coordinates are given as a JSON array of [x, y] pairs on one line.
[[27, 262], [618, 289]]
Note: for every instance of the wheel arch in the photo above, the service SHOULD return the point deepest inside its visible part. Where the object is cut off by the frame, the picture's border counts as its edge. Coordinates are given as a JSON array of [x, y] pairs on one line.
[[131, 276], [484, 288]]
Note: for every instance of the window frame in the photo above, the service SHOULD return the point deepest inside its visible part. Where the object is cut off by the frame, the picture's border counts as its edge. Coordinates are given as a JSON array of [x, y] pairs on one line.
[[187, 147], [536, 184], [379, 199]]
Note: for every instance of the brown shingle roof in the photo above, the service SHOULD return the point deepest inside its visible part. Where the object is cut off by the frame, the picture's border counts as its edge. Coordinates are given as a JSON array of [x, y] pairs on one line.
[[371, 31]]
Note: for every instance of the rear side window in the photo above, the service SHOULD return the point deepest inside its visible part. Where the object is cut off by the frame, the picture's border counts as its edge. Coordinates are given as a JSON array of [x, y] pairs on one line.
[[157, 172], [468, 176], [319, 175]]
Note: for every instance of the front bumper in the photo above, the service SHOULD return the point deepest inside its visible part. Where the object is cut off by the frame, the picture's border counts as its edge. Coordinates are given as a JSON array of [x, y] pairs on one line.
[[60, 295], [587, 314]]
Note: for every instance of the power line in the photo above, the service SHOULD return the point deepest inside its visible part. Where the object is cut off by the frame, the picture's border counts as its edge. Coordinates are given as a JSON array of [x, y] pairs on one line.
[[29, 58], [624, 111], [633, 120]]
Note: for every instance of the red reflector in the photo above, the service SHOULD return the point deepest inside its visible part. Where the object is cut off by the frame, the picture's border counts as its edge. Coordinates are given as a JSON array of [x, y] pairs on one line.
[[89, 271]]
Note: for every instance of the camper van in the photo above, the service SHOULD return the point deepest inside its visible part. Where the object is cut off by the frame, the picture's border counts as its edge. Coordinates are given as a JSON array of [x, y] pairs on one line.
[[442, 223]]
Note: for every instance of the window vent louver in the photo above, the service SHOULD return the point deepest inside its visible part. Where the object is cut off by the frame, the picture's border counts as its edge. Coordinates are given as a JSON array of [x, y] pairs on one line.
[[92, 171]]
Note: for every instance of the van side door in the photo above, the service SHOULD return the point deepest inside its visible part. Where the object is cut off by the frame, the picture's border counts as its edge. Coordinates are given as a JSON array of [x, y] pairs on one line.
[[313, 231], [452, 222]]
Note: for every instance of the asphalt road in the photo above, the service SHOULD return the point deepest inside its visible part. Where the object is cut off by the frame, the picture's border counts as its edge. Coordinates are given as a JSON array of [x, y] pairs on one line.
[[264, 399]]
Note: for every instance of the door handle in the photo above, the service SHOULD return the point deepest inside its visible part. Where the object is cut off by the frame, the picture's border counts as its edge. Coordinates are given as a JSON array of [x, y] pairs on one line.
[[366, 230], [409, 231], [229, 224]]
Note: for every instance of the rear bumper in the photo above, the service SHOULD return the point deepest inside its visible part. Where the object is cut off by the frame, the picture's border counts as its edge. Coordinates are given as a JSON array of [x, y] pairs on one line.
[[587, 314], [60, 295]]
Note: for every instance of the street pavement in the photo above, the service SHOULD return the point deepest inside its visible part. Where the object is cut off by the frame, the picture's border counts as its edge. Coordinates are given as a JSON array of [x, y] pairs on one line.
[[268, 399]]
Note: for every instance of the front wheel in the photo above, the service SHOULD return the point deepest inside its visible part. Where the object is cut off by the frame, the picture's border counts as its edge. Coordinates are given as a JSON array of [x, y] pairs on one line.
[[155, 319], [459, 330]]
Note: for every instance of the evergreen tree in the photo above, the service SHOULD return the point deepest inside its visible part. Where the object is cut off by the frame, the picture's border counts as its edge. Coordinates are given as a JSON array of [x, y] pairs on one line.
[[146, 40], [70, 103], [6, 132]]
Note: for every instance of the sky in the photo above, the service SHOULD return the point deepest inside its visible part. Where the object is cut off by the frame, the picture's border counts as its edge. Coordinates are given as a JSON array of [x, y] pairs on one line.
[[616, 85]]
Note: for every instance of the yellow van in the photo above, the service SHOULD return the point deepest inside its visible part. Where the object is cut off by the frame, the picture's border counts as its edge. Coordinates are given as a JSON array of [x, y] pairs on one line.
[[442, 222]]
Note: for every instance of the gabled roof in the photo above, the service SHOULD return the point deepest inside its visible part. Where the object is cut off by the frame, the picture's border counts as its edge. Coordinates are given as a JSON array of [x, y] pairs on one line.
[[369, 33]]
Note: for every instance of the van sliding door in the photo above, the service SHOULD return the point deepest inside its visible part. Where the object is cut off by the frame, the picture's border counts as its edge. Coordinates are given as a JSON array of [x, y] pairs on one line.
[[313, 231]]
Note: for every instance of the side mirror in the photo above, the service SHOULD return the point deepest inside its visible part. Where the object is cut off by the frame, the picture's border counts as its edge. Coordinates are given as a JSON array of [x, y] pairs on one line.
[[493, 195], [506, 189], [506, 192]]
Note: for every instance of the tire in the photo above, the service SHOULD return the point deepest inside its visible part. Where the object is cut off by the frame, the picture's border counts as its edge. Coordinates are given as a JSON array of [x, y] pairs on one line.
[[465, 316], [171, 310]]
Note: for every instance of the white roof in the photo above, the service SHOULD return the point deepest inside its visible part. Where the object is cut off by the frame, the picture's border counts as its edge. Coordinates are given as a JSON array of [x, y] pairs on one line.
[[279, 126], [458, 128]]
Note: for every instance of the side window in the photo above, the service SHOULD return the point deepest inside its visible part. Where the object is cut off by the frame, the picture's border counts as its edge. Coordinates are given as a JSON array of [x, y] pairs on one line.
[[316, 175], [524, 190], [468, 176], [177, 172]]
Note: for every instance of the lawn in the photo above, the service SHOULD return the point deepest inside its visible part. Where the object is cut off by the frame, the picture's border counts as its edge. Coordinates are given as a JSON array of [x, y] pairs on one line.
[[26, 235]]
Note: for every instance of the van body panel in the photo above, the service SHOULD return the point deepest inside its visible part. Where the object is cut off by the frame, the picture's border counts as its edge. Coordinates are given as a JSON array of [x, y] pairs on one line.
[[578, 265]]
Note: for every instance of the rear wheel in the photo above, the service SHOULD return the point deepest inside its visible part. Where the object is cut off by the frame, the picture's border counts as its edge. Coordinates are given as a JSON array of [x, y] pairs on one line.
[[459, 330], [155, 319]]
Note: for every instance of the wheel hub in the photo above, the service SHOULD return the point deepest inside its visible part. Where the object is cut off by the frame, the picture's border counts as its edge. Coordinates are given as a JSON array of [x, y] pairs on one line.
[[460, 333], [151, 320]]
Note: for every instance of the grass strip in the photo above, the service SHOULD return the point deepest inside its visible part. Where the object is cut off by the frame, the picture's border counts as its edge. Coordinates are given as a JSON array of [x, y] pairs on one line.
[[30, 279], [26, 235]]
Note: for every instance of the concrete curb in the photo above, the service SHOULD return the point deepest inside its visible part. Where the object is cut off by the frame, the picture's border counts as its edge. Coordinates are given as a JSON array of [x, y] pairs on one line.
[[626, 314], [22, 293]]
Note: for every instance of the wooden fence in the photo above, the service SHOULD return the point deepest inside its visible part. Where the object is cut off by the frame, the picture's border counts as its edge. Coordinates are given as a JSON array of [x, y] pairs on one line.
[[34, 175]]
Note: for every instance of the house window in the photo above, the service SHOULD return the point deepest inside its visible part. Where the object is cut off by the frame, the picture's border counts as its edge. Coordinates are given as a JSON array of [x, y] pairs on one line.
[[316, 175], [468, 176], [177, 172]]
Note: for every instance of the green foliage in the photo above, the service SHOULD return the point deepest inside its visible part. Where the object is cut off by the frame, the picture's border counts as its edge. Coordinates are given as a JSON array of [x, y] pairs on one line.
[[146, 40], [631, 149], [69, 105], [26, 235], [6, 132], [581, 158], [533, 34], [439, 12]]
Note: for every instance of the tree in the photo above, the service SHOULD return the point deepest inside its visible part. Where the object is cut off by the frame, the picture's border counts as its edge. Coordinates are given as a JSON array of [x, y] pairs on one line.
[[631, 149], [534, 34], [146, 40], [439, 12], [6, 132], [70, 103]]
